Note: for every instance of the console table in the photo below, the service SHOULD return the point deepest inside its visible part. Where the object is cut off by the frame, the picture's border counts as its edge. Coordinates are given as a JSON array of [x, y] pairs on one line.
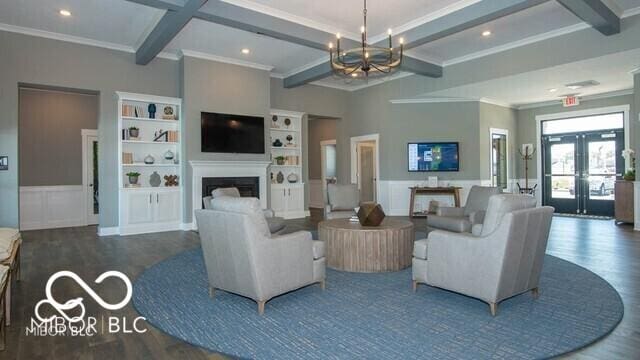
[[418, 190]]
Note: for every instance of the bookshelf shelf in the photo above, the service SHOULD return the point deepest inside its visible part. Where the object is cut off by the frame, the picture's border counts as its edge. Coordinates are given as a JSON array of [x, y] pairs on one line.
[[146, 208]]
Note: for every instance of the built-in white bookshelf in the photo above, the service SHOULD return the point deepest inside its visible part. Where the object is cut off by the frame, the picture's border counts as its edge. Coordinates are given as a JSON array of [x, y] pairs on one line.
[[287, 197], [149, 144]]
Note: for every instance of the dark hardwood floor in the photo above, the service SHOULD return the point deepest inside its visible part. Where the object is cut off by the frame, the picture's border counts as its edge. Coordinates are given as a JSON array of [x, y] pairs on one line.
[[611, 251]]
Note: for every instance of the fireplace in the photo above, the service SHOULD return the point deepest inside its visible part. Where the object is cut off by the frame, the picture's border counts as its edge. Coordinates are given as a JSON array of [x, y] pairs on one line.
[[248, 186]]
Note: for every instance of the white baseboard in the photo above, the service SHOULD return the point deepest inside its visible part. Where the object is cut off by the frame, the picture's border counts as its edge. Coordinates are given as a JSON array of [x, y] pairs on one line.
[[189, 226], [108, 231], [49, 207]]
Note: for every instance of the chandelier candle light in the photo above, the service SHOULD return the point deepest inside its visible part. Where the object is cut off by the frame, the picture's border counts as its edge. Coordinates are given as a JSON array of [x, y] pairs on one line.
[[367, 60]]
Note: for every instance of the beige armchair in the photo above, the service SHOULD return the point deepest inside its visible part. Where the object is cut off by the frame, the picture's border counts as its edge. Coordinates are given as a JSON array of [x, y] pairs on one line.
[[276, 224], [462, 219], [243, 258], [504, 259], [343, 201]]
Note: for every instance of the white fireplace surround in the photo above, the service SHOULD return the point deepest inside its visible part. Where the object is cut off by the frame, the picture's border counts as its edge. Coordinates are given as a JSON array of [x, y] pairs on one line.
[[205, 169]]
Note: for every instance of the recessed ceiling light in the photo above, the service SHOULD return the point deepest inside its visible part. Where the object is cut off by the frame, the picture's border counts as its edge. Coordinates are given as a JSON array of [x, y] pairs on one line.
[[246, 51], [486, 33], [574, 87], [354, 75], [64, 12], [553, 90]]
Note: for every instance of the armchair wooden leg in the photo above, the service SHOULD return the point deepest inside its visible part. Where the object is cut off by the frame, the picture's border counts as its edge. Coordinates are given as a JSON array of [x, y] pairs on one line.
[[323, 284], [261, 307], [414, 284], [535, 293], [212, 292], [494, 308]]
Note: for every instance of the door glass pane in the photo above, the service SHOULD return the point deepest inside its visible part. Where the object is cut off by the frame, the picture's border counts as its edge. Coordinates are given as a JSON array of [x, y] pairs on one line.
[[499, 160], [94, 163], [602, 169], [563, 159], [581, 124], [563, 187]]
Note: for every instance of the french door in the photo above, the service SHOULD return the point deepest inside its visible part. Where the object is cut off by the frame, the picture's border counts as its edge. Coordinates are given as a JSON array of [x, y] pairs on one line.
[[580, 171]]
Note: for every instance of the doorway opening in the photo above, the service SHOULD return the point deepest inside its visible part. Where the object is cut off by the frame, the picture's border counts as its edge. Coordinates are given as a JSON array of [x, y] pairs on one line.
[[499, 157], [581, 162], [365, 166]]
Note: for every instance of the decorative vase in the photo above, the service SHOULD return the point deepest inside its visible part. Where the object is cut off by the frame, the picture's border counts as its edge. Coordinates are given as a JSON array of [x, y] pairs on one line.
[[287, 122], [292, 178], [280, 177], [154, 179], [134, 132], [370, 214], [152, 111], [279, 161], [169, 155], [133, 180], [149, 159], [289, 138], [277, 143]]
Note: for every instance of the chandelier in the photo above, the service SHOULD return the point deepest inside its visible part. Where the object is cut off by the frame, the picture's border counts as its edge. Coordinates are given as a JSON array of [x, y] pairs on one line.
[[367, 60]]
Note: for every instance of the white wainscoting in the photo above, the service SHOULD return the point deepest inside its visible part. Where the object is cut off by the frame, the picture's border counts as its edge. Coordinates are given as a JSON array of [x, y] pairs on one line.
[[48, 207], [316, 200]]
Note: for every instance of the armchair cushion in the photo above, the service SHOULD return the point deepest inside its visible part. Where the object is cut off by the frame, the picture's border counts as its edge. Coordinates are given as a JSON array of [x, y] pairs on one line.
[[219, 192], [343, 197], [451, 223], [478, 198], [450, 211], [420, 249], [499, 206], [275, 224], [247, 206]]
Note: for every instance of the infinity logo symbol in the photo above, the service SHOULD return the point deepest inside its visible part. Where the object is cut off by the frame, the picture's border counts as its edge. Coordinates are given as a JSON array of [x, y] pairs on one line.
[[70, 304]]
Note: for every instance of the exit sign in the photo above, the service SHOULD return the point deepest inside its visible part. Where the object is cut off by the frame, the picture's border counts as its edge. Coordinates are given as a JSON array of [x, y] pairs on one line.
[[569, 101]]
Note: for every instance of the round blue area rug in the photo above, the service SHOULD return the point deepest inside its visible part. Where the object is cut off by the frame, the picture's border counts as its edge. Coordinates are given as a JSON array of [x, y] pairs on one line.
[[379, 316]]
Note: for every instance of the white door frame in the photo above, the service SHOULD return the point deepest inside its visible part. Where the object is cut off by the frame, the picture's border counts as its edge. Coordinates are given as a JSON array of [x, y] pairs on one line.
[[569, 114], [323, 167], [354, 159], [504, 132], [86, 133]]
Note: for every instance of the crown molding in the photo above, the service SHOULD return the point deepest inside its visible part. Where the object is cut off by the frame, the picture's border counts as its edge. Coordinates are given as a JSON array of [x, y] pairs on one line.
[[67, 38], [222, 59], [630, 12], [635, 71], [440, 100], [604, 95]]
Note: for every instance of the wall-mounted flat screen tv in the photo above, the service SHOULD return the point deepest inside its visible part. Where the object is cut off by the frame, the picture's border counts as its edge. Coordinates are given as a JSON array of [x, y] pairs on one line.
[[433, 156], [224, 133]]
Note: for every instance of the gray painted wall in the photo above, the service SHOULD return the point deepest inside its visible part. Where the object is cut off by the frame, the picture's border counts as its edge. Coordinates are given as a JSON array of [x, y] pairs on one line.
[[635, 119], [221, 88], [319, 130], [50, 146], [527, 124], [32, 60]]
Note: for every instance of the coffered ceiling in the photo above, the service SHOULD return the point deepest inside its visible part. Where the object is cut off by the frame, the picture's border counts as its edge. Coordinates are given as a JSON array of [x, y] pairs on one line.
[[125, 25]]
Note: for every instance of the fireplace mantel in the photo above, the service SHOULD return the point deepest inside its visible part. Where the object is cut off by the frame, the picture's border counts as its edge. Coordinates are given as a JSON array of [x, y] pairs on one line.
[[203, 169]]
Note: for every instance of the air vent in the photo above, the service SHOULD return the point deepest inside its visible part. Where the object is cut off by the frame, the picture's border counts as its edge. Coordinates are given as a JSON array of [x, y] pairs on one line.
[[582, 84]]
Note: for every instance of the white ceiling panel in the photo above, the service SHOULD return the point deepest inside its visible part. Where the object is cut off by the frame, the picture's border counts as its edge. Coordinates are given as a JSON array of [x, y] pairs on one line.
[[206, 37], [531, 22], [346, 15], [115, 21]]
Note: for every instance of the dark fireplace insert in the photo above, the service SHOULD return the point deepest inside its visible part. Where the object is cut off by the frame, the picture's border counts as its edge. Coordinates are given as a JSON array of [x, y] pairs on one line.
[[248, 186]]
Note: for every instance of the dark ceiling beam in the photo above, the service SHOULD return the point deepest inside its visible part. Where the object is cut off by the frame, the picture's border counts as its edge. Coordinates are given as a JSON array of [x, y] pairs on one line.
[[165, 30], [468, 17], [594, 13]]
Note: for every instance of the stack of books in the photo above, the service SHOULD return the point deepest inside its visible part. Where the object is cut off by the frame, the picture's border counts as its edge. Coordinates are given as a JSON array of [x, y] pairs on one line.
[[134, 111], [127, 158], [172, 136], [354, 219]]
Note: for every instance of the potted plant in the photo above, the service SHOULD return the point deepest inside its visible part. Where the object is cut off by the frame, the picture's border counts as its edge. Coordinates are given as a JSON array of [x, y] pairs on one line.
[[630, 156], [133, 177], [134, 132], [280, 160]]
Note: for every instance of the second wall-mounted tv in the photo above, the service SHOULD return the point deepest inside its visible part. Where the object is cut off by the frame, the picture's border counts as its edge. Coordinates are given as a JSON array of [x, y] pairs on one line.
[[224, 133], [433, 156]]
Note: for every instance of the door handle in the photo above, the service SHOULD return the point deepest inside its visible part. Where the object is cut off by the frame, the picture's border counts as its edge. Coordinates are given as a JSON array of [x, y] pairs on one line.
[[289, 192], [150, 198], [158, 198]]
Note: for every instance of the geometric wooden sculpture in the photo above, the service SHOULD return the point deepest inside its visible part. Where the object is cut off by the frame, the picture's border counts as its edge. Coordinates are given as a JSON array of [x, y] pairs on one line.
[[370, 214]]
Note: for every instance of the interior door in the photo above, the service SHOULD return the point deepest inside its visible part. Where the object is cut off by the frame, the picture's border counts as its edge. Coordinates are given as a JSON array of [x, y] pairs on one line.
[[602, 165], [366, 171], [561, 173], [92, 198]]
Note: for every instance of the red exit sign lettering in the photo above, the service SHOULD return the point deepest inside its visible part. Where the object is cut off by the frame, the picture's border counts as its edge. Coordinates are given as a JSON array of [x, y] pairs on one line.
[[570, 101]]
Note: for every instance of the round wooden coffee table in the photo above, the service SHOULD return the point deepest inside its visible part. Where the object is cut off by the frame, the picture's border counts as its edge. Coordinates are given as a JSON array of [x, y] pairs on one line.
[[352, 247]]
